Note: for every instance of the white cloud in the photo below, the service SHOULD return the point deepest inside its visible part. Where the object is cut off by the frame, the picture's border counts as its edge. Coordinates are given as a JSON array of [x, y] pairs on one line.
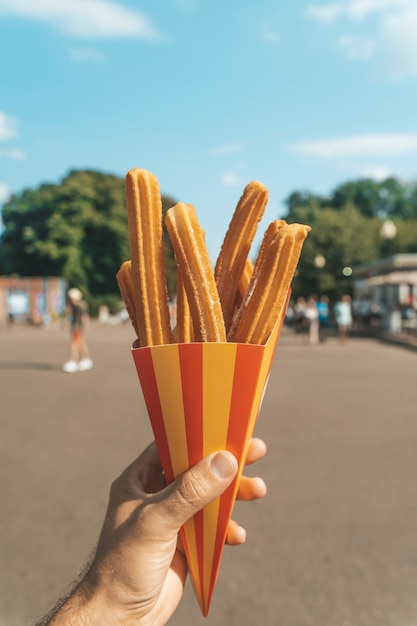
[[268, 33], [378, 173], [357, 47], [7, 127], [15, 154], [4, 192], [388, 144], [356, 9], [399, 54], [269, 36], [231, 180], [324, 12], [84, 18], [393, 41]]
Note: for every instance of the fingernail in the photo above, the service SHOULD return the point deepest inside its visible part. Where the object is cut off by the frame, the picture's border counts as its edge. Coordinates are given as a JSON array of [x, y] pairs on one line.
[[223, 464]]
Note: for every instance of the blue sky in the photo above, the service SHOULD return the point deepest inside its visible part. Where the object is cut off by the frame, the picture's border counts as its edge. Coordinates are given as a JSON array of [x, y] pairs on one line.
[[208, 95]]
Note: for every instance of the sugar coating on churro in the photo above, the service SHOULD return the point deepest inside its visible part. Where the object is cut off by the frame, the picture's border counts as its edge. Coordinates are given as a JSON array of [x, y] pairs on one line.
[[187, 239], [184, 329], [271, 279], [239, 302], [243, 283], [230, 264], [144, 206], [124, 280]]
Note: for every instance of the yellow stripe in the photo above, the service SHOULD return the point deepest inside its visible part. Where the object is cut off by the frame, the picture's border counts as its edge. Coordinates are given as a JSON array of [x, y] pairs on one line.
[[168, 378], [267, 357], [190, 537], [218, 373]]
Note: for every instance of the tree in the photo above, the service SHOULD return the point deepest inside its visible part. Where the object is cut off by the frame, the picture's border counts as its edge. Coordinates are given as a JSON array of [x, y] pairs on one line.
[[385, 199], [346, 230], [76, 229], [338, 240]]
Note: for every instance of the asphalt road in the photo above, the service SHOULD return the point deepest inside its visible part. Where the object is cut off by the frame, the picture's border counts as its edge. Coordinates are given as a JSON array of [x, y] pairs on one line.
[[334, 542]]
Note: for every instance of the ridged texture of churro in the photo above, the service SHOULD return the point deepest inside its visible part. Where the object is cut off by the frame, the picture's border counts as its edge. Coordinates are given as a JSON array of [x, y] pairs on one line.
[[236, 245], [243, 285], [187, 239], [144, 208], [184, 328], [271, 279], [124, 280]]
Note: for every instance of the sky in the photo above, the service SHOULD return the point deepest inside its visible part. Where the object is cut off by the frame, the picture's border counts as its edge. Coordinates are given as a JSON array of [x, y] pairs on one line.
[[209, 95]]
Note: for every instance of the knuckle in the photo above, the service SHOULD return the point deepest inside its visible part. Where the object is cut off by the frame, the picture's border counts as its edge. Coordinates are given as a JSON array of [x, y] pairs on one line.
[[191, 491]]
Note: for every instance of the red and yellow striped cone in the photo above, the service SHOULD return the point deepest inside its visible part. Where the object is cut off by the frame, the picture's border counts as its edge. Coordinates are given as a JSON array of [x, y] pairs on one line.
[[204, 397]]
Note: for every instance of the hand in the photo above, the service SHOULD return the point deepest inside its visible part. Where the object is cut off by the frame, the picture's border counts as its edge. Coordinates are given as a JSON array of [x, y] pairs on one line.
[[139, 569]]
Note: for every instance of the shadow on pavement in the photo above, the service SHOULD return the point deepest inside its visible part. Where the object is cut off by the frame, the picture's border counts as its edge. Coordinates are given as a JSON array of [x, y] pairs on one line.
[[27, 365]]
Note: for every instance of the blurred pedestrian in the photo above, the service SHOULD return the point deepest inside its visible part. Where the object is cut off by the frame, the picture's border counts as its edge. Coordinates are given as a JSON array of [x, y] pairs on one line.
[[79, 360], [311, 315], [299, 315], [324, 313], [343, 315]]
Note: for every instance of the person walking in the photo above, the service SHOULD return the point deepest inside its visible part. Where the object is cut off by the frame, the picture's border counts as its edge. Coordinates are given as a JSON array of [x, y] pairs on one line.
[[80, 359], [323, 309], [311, 315], [343, 315]]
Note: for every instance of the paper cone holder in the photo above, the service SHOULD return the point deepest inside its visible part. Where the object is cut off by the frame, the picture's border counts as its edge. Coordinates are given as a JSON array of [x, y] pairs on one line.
[[204, 397]]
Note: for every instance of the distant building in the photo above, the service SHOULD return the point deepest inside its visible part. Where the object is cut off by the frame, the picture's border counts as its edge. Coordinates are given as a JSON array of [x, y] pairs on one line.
[[386, 287], [34, 300]]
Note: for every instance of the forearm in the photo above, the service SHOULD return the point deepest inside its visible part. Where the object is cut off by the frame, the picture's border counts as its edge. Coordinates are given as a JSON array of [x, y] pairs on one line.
[[70, 609], [86, 605]]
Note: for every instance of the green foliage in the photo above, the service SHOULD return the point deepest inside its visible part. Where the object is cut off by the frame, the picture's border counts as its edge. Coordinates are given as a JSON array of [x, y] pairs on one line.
[[76, 229], [346, 231]]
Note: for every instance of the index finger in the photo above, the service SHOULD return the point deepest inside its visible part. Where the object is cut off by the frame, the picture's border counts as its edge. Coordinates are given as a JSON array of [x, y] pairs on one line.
[[144, 474]]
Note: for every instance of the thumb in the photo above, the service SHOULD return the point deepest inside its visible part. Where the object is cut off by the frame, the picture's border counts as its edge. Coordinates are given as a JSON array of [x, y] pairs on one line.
[[197, 487]]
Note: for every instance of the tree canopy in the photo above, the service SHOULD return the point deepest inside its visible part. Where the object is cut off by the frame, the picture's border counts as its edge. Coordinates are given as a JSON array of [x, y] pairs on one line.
[[76, 229], [346, 231]]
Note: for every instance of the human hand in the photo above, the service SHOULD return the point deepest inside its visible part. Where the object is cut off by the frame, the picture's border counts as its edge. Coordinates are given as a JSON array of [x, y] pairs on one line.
[[139, 569]]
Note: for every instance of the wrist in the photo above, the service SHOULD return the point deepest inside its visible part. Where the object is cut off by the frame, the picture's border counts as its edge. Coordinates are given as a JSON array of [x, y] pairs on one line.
[[88, 606], [77, 608]]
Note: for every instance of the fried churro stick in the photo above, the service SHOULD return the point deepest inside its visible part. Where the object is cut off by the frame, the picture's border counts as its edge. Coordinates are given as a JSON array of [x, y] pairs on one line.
[[249, 267], [272, 276], [243, 285], [187, 239], [124, 280], [184, 329], [144, 208], [236, 245]]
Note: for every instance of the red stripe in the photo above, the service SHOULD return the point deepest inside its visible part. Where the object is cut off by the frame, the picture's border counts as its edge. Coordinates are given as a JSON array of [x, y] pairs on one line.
[[146, 373], [281, 323], [199, 536], [247, 368], [191, 366]]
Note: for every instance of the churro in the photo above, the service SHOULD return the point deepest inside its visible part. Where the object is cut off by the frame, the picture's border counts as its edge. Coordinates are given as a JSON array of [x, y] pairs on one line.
[[238, 302], [184, 327], [243, 285], [144, 208], [187, 239], [124, 280], [271, 279], [236, 245]]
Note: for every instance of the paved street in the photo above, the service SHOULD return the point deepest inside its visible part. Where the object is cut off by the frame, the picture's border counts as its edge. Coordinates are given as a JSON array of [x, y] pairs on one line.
[[334, 543]]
